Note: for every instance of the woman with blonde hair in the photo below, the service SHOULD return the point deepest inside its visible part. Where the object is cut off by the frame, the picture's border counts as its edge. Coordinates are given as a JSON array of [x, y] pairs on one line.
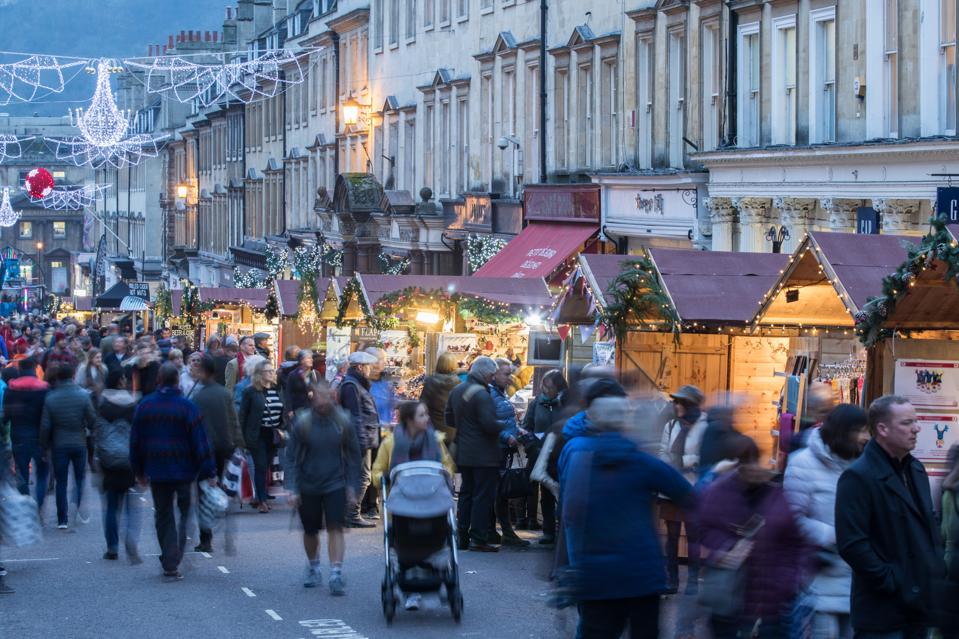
[[92, 375], [260, 412]]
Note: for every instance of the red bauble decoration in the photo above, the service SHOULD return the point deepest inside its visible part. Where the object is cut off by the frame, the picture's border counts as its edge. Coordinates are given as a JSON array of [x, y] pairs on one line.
[[39, 183]]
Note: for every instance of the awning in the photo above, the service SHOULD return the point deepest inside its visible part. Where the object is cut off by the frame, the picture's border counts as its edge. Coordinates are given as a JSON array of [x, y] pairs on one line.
[[538, 250], [114, 296], [131, 303]]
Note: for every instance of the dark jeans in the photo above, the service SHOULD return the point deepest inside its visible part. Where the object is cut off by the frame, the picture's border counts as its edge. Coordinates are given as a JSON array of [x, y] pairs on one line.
[[477, 496], [119, 501], [607, 618], [355, 508], [170, 533], [672, 552], [23, 454], [63, 458], [262, 458], [912, 632]]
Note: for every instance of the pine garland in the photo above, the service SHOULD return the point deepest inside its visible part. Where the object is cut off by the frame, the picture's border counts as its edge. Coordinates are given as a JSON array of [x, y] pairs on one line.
[[163, 306], [351, 290], [634, 296], [190, 305], [393, 266], [308, 317], [480, 249], [939, 245], [272, 309], [253, 278], [277, 261]]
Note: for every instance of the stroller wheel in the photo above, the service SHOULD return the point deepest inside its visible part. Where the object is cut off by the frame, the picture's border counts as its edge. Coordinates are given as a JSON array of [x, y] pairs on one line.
[[389, 602], [456, 604]]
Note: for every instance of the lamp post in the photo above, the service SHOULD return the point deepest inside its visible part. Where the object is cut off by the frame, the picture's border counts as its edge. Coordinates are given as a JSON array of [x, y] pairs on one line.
[[777, 237]]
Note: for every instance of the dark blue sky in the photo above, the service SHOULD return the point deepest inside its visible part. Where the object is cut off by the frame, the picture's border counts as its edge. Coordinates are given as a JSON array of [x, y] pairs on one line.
[[96, 28]]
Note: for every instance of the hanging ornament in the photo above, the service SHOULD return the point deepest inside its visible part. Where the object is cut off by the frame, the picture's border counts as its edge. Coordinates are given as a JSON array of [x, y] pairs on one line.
[[39, 183], [8, 217], [73, 199], [563, 331], [26, 78], [860, 317]]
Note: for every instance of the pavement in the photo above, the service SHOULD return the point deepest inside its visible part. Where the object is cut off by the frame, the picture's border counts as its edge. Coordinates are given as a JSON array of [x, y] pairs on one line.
[[65, 589]]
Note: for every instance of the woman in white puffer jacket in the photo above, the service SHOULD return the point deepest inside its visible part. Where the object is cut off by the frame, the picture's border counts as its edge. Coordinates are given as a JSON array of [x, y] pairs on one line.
[[810, 486]]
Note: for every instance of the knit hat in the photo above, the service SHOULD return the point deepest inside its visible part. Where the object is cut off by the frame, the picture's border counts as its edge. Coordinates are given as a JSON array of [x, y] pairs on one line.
[[603, 387]]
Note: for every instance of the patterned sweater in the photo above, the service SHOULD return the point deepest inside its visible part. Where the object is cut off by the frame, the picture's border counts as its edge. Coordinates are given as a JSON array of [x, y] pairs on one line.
[[168, 442]]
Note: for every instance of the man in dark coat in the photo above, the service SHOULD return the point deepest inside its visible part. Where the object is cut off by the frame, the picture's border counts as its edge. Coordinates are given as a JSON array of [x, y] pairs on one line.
[[472, 413], [23, 408], [886, 529], [355, 398]]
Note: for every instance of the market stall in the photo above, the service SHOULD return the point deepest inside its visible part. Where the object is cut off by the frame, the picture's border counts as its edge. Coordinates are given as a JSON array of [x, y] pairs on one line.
[[201, 312]]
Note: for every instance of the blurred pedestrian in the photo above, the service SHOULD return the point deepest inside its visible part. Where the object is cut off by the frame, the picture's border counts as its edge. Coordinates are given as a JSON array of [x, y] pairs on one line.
[[68, 415], [118, 355], [115, 411], [472, 412], [508, 438], [290, 363], [189, 375], [615, 566], [542, 413], [355, 398], [262, 343], [299, 382], [144, 368], [235, 367], [950, 536], [820, 401], [679, 447], [886, 529], [436, 392], [23, 402], [323, 467], [754, 551], [810, 484], [260, 413], [170, 450], [92, 374]]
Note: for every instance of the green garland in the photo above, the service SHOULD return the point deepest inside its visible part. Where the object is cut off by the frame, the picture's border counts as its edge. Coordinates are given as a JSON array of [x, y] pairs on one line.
[[938, 245], [480, 249], [272, 309], [351, 290], [190, 305], [163, 306], [393, 266], [487, 312], [277, 261], [634, 295], [252, 278]]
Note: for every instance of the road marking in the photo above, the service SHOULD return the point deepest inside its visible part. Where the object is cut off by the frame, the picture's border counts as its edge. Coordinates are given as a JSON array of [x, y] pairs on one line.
[[273, 615], [331, 629], [207, 555], [10, 561], [223, 570], [143, 500], [248, 592]]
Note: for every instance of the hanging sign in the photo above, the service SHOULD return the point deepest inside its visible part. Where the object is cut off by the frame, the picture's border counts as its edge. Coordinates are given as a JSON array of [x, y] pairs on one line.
[[947, 202], [604, 353], [867, 221], [928, 383], [140, 289]]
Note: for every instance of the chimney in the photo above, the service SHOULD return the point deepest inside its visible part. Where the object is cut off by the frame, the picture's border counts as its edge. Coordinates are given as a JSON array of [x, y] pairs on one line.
[[169, 42], [165, 48], [207, 37], [149, 50], [216, 36], [182, 36]]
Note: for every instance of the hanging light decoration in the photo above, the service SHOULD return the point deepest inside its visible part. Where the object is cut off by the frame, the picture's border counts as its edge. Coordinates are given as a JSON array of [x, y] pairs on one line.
[[39, 183], [104, 129], [27, 78], [8, 217], [10, 146], [73, 199]]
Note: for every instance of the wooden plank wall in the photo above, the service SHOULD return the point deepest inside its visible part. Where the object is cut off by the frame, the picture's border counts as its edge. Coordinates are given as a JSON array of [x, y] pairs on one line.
[[755, 360], [696, 359]]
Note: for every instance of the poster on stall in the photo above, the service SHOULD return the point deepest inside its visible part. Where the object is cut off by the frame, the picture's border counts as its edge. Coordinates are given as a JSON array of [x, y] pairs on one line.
[[936, 434], [928, 383], [337, 348], [460, 344], [396, 344], [604, 353]]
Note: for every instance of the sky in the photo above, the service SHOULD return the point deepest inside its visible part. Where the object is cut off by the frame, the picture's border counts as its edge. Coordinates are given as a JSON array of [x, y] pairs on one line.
[[94, 29]]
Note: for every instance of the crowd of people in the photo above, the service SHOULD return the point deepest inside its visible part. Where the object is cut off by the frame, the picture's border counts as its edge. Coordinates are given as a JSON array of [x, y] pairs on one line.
[[841, 539]]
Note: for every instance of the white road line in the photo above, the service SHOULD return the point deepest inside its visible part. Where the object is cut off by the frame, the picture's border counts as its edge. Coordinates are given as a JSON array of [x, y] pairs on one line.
[[207, 555], [10, 561], [223, 570], [143, 500], [273, 615], [248, 592]]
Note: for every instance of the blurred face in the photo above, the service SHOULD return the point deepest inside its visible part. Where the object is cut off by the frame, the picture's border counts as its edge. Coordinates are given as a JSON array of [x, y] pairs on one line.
[[754, 473], [97, 360], [501, 376], [268, 376], [177, 359], [322, 399], [420, 420], [307, 362], [119, 345], [549, 389], [860, 438], [898, 432], [194, 363], [247, 347], [364, 369]]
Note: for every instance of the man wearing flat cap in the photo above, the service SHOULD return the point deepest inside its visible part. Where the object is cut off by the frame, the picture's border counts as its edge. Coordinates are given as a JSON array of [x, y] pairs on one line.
[[356, 399], [679, 447]]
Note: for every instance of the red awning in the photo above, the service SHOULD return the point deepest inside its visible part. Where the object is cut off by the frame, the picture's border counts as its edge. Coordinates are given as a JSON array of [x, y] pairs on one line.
[[538, 251]]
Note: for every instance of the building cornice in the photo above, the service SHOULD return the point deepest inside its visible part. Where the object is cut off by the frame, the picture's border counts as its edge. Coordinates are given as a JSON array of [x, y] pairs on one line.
[[820, 154], [350, 21]]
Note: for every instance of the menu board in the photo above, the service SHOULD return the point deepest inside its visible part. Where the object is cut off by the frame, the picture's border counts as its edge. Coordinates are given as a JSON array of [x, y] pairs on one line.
[[930, 384]]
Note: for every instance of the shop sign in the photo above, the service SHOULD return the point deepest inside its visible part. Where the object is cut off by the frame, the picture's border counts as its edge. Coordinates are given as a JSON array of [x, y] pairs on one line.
[[140, 289], [947, 201], [930, 384], [573, 203], [867, 221], [937, 433], [651, 206]]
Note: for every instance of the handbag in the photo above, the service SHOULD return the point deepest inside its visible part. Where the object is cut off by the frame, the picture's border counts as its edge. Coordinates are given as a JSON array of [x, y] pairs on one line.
[[280, 437], [514, 482], [722, 590], [212, 503]]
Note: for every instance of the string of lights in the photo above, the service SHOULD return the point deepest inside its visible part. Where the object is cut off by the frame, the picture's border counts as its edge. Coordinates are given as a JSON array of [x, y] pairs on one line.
[[22, 80], [10, 146]]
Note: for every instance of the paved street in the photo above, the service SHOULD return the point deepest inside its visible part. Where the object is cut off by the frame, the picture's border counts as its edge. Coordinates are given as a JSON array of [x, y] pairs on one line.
[[64, 589]]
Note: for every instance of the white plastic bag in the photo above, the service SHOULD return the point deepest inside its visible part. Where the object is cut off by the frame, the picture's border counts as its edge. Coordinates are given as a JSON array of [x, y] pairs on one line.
[[19, 519], [213, 503]]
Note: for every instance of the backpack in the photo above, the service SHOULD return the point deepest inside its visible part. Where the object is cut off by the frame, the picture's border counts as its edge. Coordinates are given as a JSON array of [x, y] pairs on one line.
[[113, 444]]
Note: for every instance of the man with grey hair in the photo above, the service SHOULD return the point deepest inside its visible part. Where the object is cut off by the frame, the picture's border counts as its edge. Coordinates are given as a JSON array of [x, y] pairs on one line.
[[886, 529], [472, 413]]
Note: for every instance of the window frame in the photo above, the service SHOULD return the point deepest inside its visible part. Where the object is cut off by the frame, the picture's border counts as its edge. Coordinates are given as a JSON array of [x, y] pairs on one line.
[[784, 126], [820, 130], [748, 114], [56, 234]]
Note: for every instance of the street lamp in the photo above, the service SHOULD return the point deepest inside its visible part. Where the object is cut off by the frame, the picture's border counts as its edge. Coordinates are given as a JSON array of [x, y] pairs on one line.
[[351, 112], [181, 191], [777, 237], [39, 261]]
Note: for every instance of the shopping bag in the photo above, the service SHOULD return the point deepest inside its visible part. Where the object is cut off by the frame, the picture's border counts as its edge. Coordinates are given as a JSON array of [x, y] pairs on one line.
[[232, 474], [212, 503], [19, 519], [246, 481]]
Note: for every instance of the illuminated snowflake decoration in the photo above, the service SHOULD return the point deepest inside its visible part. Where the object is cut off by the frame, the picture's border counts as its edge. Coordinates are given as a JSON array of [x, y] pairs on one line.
[[8, 217], [104, 131], [73, 199], [264, 76], [10, 146], [25, 79]]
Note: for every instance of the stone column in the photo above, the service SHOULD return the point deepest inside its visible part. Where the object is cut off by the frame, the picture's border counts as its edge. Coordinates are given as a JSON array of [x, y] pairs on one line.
[[841, 213], [753, 224], [722, 215], [897, 216], [797, 215]]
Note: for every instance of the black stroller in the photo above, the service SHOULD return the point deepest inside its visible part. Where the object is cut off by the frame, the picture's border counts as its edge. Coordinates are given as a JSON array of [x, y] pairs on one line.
[[419, 529]]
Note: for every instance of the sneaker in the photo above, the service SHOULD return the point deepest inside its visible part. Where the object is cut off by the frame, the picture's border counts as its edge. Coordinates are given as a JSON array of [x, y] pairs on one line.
[[133, 556], [203, 548], [413, 601], [483, 548], [312, 577], [371, 514], [336, 585], [62, 527], [83, 517], [112, 556], [172, 575]]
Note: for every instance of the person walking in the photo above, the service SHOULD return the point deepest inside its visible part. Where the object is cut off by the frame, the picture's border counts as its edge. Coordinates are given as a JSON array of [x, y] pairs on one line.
[[679, 447], [472, 413], [615, 562], [144, 371], [115, 411], [169, 450], [68, 415], [810, 487], [949, 625], [221, 423], [299, 382], [886, 529], [508, 437], [260, 413], [92, 374], [23, 402], [235, 367], [117, 355], [323, 467], [436, 393], [355, 398], [542, 413]]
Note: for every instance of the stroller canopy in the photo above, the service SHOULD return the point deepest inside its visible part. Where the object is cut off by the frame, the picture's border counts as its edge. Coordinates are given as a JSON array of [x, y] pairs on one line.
[[419, 490]]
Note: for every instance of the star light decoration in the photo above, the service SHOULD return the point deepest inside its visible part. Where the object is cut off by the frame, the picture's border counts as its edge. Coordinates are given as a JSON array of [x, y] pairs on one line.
[[105, 137], [27, 78], [262, 76], [8, 217], [10, 146]]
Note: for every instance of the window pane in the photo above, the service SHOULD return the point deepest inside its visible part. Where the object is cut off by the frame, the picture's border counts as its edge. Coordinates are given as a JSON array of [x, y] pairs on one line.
[[892, 25], [949, 87], [947, 21], [789, 56]]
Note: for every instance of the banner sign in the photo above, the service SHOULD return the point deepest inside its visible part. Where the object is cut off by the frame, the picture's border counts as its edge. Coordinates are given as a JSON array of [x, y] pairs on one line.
[[928, 383]]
